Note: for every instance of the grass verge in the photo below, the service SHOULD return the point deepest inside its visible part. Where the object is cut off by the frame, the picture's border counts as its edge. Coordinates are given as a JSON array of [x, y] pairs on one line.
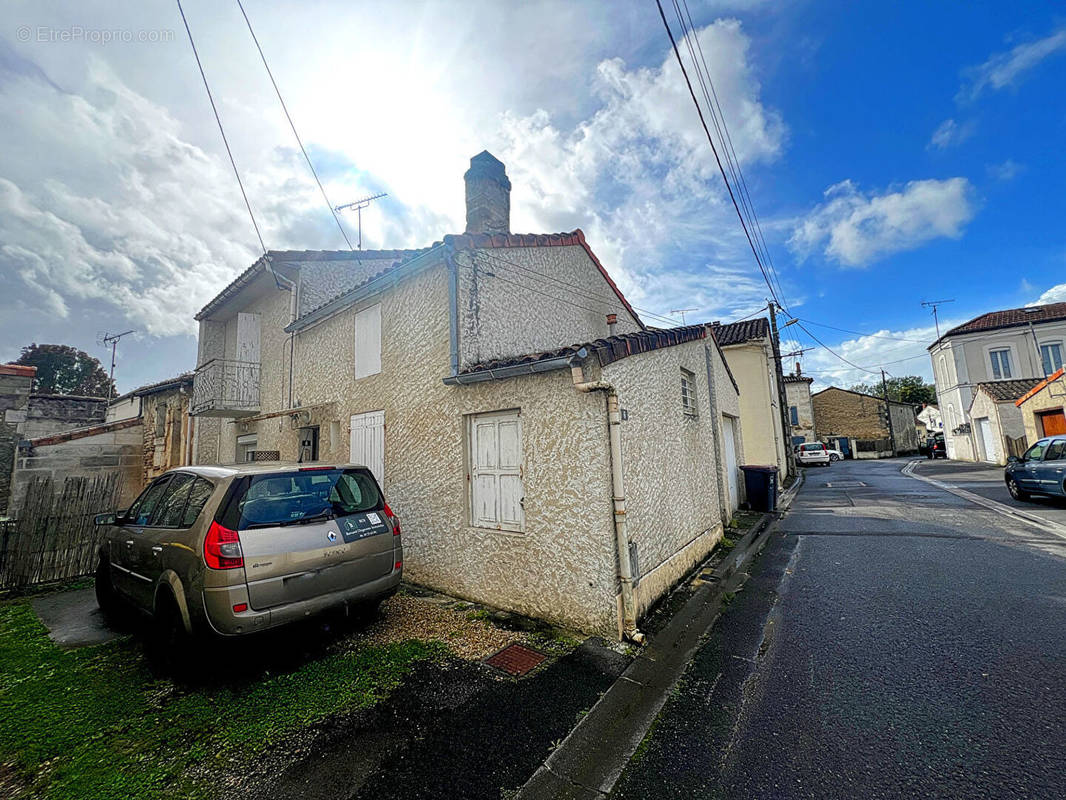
[[96, 723]]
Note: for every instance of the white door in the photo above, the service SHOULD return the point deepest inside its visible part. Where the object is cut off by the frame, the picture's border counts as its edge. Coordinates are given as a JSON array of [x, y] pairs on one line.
[[985, 426], [248, 338], [730, 447], [368, 443]]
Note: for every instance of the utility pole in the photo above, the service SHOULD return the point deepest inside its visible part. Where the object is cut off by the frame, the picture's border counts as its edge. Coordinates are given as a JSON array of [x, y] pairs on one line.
[[888, 411], [782, 401], [112, 339], [933, 304]]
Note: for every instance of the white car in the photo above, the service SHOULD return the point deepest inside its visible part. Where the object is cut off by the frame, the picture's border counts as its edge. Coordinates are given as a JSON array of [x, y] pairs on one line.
[[834, 454], [812, 453]]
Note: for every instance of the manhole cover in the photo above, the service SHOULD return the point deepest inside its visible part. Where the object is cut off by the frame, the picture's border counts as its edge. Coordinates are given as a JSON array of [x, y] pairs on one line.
[[845, 485], [515, 660]]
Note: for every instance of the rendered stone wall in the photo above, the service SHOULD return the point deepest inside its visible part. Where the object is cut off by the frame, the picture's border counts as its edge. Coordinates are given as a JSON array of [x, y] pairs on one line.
[[798, 394], [14, 397], [1050, 398], [760, 416]]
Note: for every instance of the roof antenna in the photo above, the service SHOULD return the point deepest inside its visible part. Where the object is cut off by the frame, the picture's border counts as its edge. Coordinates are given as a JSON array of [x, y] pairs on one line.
[[112, 340], [682, 312], [359, 205], [933, 304]]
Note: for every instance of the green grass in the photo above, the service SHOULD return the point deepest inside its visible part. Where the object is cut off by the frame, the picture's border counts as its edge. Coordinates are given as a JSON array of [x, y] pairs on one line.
[[95, 723]]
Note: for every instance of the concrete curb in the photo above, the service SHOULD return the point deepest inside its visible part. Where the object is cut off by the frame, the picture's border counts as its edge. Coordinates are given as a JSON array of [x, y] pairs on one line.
[[992, 505], [588, 762]]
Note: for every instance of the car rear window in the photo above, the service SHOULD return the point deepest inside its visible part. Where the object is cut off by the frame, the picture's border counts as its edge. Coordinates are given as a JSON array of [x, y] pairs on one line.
[[288, 498], [814, 447]]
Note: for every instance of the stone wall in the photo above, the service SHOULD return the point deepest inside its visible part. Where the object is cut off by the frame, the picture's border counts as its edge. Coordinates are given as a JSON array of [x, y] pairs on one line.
[[838, 412], [16, 382], [166, 431], [798, 395], [52, 413]]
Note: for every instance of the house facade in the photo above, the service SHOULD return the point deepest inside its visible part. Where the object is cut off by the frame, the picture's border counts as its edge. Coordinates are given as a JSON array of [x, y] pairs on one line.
[[749, 350], [871, 427], [800, 407], [546, 452], [931, 419], [998, 425], [1043, 408], [1019, 343]]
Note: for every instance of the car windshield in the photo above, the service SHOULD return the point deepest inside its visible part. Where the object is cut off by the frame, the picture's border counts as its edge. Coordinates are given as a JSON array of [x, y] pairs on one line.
[[300, 496]]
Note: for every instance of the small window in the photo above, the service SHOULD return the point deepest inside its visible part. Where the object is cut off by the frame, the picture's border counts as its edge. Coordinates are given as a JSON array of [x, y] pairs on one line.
[[368, 341], [199, 494], [1000, 364], [171, 508], [160, 420], [793, 414], [688, 392], [1051, 356], [497, 494]]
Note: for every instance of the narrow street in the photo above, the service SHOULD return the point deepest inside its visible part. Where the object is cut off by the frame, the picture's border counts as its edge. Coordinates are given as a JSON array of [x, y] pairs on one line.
[[894, 640]]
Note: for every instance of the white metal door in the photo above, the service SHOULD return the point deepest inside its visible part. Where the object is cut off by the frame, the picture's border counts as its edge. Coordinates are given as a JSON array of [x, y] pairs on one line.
[[730, 446], [248, 337], [368, 443], [985, 426]]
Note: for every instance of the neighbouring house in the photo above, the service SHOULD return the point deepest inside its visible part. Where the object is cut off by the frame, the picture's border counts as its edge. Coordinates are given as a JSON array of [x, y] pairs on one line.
[[1017, 343], [929, 418], [546, 451], [749, 350], [1044, 407], [800, 407], [998, 427], [871, 427]]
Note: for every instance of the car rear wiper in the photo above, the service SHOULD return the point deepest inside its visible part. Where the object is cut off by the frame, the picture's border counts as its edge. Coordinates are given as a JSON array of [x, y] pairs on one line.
[[324, 515]]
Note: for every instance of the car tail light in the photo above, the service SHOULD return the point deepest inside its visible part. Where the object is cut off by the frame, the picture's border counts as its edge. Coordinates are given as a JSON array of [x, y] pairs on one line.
[[222, 548], [395, 520], [240, 607], [397, 565]]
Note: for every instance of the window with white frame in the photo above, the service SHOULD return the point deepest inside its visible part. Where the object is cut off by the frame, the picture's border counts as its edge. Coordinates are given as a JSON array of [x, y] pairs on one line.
[[497, 494], [1000, 364], [1051, 356], [368, 341], [943, 372], [688, 392]]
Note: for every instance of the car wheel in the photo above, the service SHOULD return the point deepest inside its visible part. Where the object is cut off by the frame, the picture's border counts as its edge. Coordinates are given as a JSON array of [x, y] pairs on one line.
[[106, 596], [834, 457], [1015, 490], [170, 646]]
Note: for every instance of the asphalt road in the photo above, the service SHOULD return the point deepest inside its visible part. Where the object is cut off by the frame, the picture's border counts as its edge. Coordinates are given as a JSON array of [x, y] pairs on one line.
[[894, 640]]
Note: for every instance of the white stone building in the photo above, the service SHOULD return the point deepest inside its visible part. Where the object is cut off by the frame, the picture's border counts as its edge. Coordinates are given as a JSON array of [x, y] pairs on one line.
[[507, 396], [1018, 343]]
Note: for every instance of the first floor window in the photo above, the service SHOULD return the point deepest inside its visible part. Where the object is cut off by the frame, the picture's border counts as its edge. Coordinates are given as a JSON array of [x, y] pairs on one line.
[[495, 471], [793, 414], [688, 392], [1051, 355], [1000, 364]]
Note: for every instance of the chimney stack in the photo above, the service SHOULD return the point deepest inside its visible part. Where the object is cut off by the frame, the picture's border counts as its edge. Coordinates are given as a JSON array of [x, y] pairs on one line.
[[612, 323], [797, 369], [488, 195]]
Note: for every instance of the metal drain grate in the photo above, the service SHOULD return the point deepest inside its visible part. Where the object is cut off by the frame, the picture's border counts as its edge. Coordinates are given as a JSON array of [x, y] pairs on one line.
[[515, 660], [845, 485]]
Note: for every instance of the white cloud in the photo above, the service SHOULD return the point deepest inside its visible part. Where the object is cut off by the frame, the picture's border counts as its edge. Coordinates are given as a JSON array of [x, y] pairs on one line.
[[858, 228], [949, 132], [1056, 294], [1004, 69], [1006, 171]]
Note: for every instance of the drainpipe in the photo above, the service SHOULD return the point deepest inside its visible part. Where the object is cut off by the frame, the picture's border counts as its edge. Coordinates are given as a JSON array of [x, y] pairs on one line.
[[284, 283], [621, 535]]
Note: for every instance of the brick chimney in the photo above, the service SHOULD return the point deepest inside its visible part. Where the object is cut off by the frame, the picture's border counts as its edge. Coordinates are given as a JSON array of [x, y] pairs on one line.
[[488, 195]]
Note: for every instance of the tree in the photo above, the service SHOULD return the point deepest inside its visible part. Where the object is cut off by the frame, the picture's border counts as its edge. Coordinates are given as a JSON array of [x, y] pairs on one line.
[[62, 369], [908, 389]]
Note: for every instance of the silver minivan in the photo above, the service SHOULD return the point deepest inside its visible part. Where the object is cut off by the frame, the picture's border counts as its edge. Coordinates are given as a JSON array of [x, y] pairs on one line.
[[235, 550]]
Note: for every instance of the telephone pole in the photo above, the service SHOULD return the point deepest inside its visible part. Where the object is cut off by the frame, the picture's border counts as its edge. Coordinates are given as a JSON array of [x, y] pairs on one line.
[[782, 401], [888, 411]]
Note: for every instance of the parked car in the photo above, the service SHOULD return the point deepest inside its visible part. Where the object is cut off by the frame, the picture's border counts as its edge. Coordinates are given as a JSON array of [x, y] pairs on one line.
[[234, 550], [812, 453], [935, 447], [834, 454], [1040, 470]]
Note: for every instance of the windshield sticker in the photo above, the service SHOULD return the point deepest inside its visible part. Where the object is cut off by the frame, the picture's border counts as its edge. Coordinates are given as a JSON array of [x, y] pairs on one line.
[[374, 518]]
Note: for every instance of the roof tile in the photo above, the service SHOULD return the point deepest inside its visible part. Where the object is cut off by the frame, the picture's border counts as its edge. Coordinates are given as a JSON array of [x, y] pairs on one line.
[[740, 332]]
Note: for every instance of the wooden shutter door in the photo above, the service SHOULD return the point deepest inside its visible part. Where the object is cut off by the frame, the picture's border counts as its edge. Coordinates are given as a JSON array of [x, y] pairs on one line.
[[496, 490], [368, 443], [248, 337], [368, 341]]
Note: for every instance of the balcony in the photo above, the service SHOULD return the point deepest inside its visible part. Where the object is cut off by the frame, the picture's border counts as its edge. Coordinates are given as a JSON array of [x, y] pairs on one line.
[[224, 387]]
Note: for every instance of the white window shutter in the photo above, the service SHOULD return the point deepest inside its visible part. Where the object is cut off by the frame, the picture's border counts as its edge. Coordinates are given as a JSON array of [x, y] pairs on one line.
[[248, 337], [368, 443], [496, 489], [368, 341]]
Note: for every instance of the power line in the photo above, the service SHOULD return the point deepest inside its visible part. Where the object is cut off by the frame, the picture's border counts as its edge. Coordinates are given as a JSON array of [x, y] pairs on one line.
[[718, 160], [292, 125], [221, 130], [860, 333]]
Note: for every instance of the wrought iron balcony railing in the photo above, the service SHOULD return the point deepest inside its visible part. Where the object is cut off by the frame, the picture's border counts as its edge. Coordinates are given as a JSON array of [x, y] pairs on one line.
[[223, 387]]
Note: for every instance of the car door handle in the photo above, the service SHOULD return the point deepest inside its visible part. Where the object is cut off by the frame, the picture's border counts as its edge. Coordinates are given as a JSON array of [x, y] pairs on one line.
[[157, 549], [129, 543]]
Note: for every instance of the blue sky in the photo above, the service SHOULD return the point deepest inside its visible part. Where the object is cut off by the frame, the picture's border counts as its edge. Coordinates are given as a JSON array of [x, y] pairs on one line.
[[895, 154]]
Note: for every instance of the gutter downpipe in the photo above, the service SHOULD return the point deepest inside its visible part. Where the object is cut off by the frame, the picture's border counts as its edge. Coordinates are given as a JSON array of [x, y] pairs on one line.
[[621, 534], [284, 283]]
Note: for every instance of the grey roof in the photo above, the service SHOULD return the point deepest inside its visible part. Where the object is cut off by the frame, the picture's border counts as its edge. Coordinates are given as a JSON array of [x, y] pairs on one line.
[[790, 378], [1010, 390], [739, 332]]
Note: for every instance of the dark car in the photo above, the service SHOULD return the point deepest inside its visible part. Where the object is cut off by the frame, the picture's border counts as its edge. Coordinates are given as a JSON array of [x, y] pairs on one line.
[[935, 446], [1041, 470]]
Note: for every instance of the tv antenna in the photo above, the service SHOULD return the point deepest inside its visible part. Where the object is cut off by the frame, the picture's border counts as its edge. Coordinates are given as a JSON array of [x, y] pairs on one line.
[[933, 304], [359, 205], [682, 312], [112, 340]]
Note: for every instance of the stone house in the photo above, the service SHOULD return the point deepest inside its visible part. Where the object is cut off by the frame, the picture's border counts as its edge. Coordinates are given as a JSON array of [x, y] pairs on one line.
[[546, 451], [800, 407], [167, 427], [998, 428], [1044, 407], [862, 421], [1011, 344], [749, 349]]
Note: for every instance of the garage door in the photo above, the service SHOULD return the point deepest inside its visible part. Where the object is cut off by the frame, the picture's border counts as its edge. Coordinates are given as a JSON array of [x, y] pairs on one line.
[[984, 425], [1053, 422]]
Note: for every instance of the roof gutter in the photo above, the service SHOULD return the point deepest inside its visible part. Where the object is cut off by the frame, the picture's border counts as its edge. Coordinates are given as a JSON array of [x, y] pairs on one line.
[[530, 368]]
